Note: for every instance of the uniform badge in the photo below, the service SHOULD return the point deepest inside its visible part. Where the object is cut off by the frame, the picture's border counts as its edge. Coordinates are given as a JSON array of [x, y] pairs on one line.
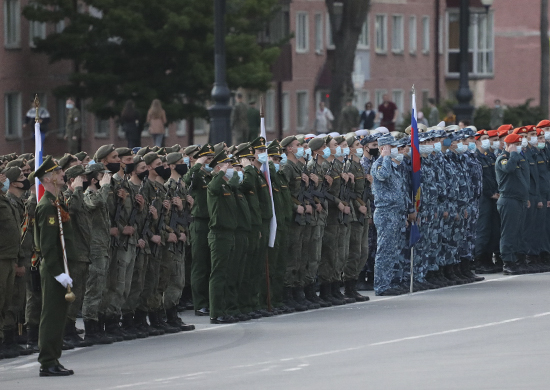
[[503, 162], [51, 220]]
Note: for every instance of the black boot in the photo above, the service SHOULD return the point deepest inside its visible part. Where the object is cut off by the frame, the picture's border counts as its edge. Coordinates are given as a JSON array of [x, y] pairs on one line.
[[335, 288], [300, 297], [72, 337], [532, 262], [440, 273], [311, 296], [351, 292], [458, 272], [141, 324], [175, 321], [158, 323], [6, 352], [326, 295], [362, 284], [289, 301], [11, 348], [113, 329], [92, 334], [32, 338], [466, 270], [497, 262], [433, 280], [129, 327]]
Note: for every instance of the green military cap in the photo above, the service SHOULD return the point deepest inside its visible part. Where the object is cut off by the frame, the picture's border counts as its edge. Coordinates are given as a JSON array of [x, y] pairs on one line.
[[301, 138], [162, 158], [316, 143], [49, 165], [138, 159], [104, 151], [220, 158], [288, 140], [20, 163], [11, 156], [351, 139], [12, 173], [219, 147], [231, 149], [75, 171], [162, 152], [176, 148], [327, 139], [274, 149], [258, 143], [81, 156], [26, 156], [173, 158], [31, 164], [244, 150], [144, 151], [66, 160], [340, 139], [155, 149], [150, 157], [206, 150], [97, 167], [191, 150], [123, 152]]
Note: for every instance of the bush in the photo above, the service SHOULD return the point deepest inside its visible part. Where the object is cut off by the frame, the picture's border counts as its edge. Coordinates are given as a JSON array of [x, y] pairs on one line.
[[482, 118], [523, 114]]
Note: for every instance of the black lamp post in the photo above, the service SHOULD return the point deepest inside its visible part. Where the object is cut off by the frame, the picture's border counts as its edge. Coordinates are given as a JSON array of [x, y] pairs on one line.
[[220, 112]]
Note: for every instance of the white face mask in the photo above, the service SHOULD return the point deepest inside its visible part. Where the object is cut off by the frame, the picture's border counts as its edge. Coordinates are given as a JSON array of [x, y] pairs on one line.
[[229, 173], [399, 158], [359, 152], [524, 142], [394, 152], [547, 135], [485, 144], [495, 145], [533, 141], [460, 148]]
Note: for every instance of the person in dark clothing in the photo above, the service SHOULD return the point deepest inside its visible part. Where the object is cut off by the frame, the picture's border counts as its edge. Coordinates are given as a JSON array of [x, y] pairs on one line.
[[129, 119], [367, 117]]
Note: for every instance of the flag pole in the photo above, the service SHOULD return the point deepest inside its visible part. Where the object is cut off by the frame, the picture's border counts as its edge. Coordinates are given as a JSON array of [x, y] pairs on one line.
[[411, 287], [268, 284]]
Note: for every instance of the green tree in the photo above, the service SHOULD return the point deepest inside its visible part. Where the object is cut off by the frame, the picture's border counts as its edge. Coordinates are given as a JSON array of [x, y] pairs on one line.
[[145, 50]]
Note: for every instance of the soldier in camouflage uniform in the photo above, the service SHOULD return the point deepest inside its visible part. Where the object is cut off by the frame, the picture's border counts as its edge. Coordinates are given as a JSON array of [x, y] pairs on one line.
[[73, 127]]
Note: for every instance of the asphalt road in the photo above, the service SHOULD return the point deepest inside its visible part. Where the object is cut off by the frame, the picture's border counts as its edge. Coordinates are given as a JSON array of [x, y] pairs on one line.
[[488, 335]]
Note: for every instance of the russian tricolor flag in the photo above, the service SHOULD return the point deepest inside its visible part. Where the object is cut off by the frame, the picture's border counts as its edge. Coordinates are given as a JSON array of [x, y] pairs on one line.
[[265, 171], [415, 174], [38, 159]]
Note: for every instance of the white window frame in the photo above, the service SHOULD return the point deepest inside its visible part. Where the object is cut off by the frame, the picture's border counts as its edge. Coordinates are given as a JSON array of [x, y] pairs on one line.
[[330, 40], [36, 30], [382, 32], [286, 111], [270, 110], [399, 102], [425, 34], [413, 36], [16, 43], [305, 48], [319, 32], [364, 42], [304, 125], [473, 45], [378, 97], [398, 36], [17, 121]]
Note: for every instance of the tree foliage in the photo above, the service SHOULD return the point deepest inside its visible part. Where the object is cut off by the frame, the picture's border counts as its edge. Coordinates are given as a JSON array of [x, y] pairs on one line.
[[145, 50]]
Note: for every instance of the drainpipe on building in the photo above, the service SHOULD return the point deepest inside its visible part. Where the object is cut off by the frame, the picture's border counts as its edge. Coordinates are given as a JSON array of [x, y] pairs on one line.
[[436, 52]]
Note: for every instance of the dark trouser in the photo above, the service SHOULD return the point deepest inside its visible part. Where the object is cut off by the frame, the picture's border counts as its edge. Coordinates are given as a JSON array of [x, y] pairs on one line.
[[235, 273], [222, 245], [488, 227], [7, 279], [79, 275], [356, 261], [329, 253], [295, 262], [138, 283], [176, 279], [247, 290], [33, 308], [200, 269], [52, 320], [532, 226], [279, 269], [512, 214], [263, 263]]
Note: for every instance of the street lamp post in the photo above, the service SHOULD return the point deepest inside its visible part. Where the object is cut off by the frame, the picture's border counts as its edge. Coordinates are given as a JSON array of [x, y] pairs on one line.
[[464, 110], [220, 111]]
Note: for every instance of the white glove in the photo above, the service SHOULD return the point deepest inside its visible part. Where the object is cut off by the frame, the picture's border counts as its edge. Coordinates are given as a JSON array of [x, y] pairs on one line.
[[64, 279]]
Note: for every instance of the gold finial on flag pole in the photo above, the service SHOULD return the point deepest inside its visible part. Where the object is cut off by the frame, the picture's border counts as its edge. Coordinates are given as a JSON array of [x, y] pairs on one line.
[[36, 106]]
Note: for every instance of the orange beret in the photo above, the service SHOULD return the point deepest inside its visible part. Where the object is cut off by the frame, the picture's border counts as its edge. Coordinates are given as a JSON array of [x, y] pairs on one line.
[[502, 133], [530, 128], [505, 127], [480, 133], [540, 131], [492, 133], [512, 138], [544, 123], [520, 130]]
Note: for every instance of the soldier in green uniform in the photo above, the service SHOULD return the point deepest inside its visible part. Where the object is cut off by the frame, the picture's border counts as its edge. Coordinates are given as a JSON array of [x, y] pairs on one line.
[[349, 118], [222, 208], [54, 278], [73, 127], [198, 178], [254, 121], [239, 121]]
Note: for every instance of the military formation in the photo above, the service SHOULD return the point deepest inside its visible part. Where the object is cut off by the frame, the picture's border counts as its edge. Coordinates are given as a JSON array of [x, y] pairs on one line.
[[150, 232]]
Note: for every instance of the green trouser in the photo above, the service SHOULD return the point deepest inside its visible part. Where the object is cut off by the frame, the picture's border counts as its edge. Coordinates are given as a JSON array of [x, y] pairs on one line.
[[344, 235], [120, 279], [365, 244], [138, 282], [176, 278], [79, 274], [222, 246], [95, 286], [235, 273], [295, 258], [7, 280], [149, 300], [329, 253], [355, 260], [52, 320], [166, 268], [19, 297], [33, 308], [512, 214], [313, 247], [247, 288], [200, 268], [263, 267], [279, 269]]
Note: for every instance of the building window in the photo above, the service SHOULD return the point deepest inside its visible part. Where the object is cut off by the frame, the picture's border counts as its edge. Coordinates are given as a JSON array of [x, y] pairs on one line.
[[13, 114], [318, 33], [302, 33], [37, 30], [61, 116], [397, 44], [425, 34], [270, 111], [363, 42], [398, 98], [379, 97], [412, 34], [381, 27], [330, 40], [301, 110], [60, 26], [286, 111], [102, 127], [12, 23], [361, 98], [425, 97], [481, 44]]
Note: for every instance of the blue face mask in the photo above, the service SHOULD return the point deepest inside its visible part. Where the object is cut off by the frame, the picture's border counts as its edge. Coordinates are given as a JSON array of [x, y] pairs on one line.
[[541, 145], [207, 168], [359, 152], [437, 146], [241, 176], [6, 186], [307, 153], [283, 158], [326, 152], [471, 146], [186, 160], [262, 158], [277, 166], [447, 142], [346, 151], [229, 173], [460, 148], [299, 153], [409, 153], [338, 152]]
